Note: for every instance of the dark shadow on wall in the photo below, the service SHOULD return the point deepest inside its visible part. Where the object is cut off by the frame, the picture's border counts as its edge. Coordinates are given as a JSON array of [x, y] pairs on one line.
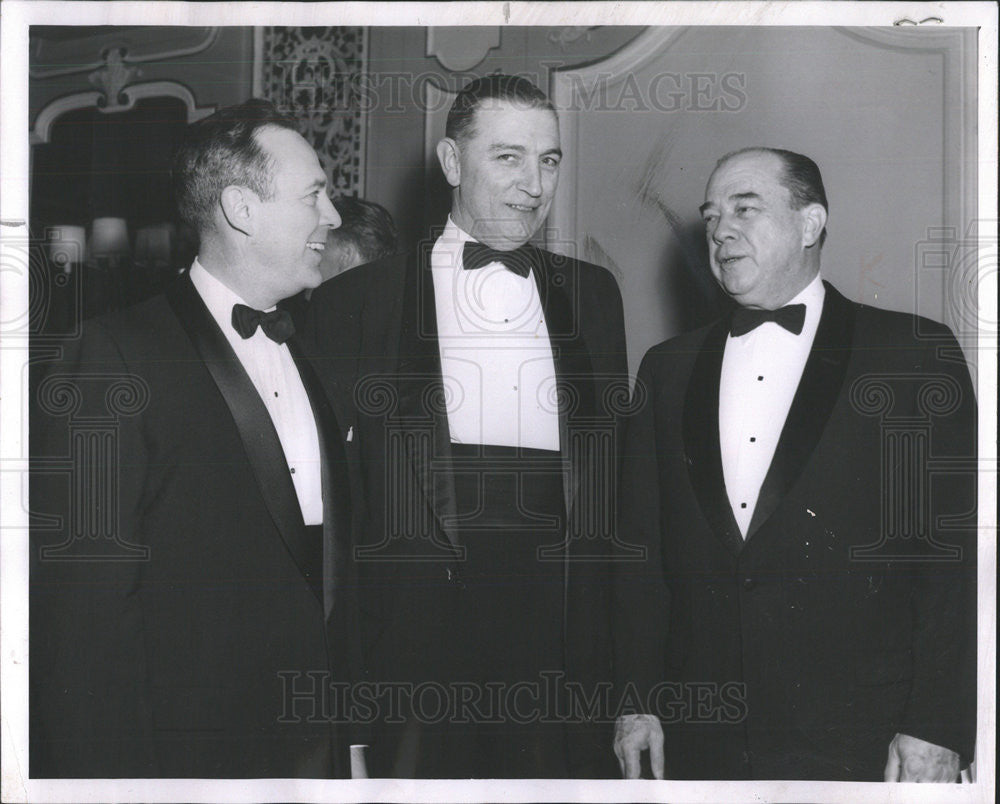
[[688, 282], [427, 206]]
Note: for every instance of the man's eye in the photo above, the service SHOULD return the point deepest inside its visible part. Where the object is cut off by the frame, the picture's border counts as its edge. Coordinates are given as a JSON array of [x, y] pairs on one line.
[[550, 161], [709, 219], [507, 157], [744, 211]]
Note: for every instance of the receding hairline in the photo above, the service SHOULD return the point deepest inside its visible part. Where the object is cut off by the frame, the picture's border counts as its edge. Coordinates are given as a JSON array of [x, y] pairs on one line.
[[780, 173], [317, 181], [732, 156], [500, 105]]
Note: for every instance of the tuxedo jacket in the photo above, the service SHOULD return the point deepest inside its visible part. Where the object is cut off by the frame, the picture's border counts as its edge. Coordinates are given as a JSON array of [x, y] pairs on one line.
[[848, 612], [178, 604], [382, 317]]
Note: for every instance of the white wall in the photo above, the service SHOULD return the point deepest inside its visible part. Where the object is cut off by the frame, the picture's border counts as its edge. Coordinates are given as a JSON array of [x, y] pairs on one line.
[[888, 114]]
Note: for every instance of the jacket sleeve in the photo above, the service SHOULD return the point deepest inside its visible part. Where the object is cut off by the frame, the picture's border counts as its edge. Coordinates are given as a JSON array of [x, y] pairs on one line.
[[89, 703], [641, 601], [942, 702], [589, 645]]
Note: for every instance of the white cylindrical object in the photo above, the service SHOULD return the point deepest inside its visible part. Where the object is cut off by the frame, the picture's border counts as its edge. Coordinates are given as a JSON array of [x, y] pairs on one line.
[[359, 765], [109, 237], [66, 245]]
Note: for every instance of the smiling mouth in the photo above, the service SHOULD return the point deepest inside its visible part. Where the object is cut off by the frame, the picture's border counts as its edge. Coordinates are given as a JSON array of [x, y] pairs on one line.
[[522, 207], [316, 246], [728, 260]]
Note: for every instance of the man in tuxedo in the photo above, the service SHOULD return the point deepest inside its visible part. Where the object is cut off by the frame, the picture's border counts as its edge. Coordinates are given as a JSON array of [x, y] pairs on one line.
[[806, 608], [366, 233], [190, 585], [486, 376]]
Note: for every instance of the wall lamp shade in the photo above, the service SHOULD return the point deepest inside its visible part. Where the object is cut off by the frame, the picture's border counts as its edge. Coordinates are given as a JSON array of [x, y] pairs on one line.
[[109, 237], [66, 245]]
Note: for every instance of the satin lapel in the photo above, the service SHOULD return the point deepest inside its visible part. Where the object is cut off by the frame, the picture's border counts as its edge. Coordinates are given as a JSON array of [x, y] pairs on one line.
[[256, 430], [559, 291], [818, 391], [336, 488], [701, 439], [421, 394]]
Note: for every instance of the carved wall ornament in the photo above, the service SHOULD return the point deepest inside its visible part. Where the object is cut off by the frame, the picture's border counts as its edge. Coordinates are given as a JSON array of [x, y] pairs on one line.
[[318, 75], [112, 78]]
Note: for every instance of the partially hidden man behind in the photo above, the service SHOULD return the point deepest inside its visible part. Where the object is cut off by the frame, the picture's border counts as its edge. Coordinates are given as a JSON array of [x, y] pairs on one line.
[[806, 608], [366, 233], [484, 370], [220, 502]]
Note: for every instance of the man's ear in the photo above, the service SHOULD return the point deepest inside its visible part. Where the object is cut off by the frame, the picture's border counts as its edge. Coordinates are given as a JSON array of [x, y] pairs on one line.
[[813, 221], [447, 151], [238, 204]]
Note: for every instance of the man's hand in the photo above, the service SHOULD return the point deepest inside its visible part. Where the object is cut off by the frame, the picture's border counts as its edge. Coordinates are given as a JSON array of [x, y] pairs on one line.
[[913, 760], [633, 735]]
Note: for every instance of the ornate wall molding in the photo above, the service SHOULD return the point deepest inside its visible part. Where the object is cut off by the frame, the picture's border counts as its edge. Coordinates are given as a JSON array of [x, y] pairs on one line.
[[318, 75], [568, 34], [569, 87], [959, 169], [461, 48], [121, 100], [53, 55]]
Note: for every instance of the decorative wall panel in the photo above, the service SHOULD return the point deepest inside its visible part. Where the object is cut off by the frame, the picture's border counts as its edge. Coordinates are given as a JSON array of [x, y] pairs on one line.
[[318, 75]]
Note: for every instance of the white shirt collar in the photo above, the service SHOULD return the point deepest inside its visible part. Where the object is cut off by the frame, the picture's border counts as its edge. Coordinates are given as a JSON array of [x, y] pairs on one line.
[[218, 297], [447, 251], [455, 233], [811, 295]]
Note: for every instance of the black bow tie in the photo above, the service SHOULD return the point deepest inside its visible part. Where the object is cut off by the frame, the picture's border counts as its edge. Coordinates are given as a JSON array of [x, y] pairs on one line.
[[277, 324], [791, 317], [476, 255]]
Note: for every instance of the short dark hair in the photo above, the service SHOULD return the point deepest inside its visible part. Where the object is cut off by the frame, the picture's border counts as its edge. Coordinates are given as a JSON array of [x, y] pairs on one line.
[[800, 176], [222, 150], [511, 89], [366, 226]]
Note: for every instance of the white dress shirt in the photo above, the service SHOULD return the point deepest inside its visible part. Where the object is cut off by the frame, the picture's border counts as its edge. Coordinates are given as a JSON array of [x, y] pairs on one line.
[[760, 374], [273, 373], [496, 359]]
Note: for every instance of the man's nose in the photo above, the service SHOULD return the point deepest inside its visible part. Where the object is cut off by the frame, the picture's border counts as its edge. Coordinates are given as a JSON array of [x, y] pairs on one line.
[[328, 215], [723, 230], [531, 180]]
